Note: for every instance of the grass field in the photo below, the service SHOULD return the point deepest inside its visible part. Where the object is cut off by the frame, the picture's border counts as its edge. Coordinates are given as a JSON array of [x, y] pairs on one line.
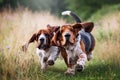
[[17, 27]]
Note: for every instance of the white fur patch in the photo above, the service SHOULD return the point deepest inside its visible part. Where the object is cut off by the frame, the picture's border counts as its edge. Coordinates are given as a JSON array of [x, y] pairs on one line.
[[77, 49], [44, 37], [53, 33], [41, 55], [79, 38], [74, 50], [82, 60], [66, 12], [51, 54], [40, 52], [89, 56]]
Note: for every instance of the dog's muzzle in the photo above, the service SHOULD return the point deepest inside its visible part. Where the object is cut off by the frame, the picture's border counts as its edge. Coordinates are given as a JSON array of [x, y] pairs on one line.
[[42, 44], [67, 36], [42, 40]]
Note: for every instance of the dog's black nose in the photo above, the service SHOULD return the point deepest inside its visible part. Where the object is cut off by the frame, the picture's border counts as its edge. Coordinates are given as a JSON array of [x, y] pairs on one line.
[[42, 40], [67, 36]]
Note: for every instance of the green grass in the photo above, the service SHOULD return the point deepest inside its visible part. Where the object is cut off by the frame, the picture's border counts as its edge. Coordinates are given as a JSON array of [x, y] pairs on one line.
[[94, 70]]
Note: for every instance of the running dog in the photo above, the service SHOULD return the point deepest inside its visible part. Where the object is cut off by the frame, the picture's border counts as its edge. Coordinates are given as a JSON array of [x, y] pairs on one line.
[[46, 53], [76, 43]]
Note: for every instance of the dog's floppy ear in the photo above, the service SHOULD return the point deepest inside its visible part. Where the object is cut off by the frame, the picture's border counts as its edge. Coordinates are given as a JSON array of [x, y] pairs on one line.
[[88, 26], [32, 39], [77, 27], [56, 39], [52, 28]]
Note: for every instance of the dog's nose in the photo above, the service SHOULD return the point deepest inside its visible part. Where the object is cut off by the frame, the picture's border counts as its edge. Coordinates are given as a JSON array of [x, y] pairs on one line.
[[42, 40], [67, 36]]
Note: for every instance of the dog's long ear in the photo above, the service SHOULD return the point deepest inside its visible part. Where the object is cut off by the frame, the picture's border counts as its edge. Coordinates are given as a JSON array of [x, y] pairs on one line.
[[52, 28], [56, 39], [77, 27], [32, 39], [88, 26]]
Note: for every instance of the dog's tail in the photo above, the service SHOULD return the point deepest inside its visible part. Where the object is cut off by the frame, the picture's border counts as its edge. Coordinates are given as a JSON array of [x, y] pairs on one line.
[[77, 19]]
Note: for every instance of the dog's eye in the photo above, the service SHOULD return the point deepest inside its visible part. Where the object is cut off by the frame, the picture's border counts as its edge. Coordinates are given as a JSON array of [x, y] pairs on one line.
[[46, 35]]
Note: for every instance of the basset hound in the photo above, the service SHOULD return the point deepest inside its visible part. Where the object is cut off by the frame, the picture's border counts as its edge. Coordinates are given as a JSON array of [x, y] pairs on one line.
[[46, 53], [76, 45]]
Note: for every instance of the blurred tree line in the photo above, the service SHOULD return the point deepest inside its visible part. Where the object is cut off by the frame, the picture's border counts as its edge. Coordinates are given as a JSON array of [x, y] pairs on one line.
[[84, 8], [53, 6]]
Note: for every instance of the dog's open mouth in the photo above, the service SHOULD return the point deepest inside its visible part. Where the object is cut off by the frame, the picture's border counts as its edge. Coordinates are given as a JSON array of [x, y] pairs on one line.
[[43, 46]]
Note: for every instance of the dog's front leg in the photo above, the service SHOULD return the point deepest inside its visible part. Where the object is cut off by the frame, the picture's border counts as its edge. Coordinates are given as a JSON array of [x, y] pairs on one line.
[[81, 62], [42, 58], [53, 55], [71, 63], [70, 71], [43, 62]]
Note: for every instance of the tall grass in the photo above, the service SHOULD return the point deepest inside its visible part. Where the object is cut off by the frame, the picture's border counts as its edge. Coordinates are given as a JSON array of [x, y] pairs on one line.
[[107, 35], [15, 29], [18, 26]]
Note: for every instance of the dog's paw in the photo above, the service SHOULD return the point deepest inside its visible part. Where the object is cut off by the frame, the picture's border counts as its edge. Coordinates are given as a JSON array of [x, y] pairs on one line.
[[50, 62], [89, 56], [70, 72], [79, 68]]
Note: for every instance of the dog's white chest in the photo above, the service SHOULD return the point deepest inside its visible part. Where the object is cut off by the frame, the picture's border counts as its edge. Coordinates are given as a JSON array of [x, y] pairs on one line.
[[52, 50], [74, 50]]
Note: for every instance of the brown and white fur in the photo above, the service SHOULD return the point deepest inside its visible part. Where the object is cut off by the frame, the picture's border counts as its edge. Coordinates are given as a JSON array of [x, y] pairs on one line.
[[73, 48], [46, 53], [87, 37]]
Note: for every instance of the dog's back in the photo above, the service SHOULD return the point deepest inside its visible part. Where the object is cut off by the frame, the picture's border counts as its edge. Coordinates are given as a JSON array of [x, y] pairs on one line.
[[88, 40]]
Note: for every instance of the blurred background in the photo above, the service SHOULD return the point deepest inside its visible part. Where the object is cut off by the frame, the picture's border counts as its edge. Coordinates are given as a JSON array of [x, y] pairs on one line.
[[83, 8], [20, 19]]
